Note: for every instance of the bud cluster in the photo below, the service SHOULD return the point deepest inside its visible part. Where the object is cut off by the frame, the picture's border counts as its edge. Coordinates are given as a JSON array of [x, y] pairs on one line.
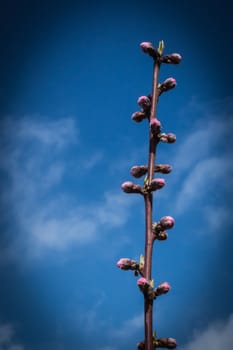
[[167, 138], [168, 343], [145, 103], [138, 171], [146, 287], [158, 228], [165, 223]]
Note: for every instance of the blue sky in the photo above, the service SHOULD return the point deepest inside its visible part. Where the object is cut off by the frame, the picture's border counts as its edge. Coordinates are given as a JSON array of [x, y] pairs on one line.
[[71, 74]]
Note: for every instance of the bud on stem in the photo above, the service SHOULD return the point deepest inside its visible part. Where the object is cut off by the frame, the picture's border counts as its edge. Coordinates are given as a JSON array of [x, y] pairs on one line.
[[140, 170], [155, 126], [165, 223], [146, 288], [168, 343], [144, 102], [167, 85], [163, 288], [156, 184], [127, 264], [138, 116], [162, 168], [148, 48], [167, 138], [130, 187], [173, 58]]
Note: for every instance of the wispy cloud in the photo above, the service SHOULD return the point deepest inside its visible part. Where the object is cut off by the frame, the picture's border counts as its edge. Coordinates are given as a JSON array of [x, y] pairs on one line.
[[129, 327], [95, 158], [51, 228], [32, 153], [7, 335], [203, 163], [216, 215], [58, 133], [204, 140], [89, 319], [205, 177], [218, 335], [44, 208]]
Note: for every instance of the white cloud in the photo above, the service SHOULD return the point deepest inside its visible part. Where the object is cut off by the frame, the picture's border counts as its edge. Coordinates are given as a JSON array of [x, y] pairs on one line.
[[31, 154], [218, 335], [129, 327], [55, 132], [215, 216], [205, 177], [93, 160], [36, 162], [203, 163], [195, 146], [7, 342], [203, 141], [85, 223], [90, 320]]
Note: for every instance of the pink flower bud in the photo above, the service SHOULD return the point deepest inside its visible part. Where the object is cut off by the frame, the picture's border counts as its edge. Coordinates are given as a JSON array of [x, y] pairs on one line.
[[138, 116], [145, 287], [173, 58], [142, 281], [157, 184], [130, 187], [168, 343], [163, 288], [163, 168], [127, 264], [168, 138], [155, 126], [168, 84], [123, 263], [144, 102], [148, 48], [167, 222], [138, 171]]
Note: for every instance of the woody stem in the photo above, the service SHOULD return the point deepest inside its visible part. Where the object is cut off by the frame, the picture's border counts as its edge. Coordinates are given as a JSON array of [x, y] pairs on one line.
[[148, 198]]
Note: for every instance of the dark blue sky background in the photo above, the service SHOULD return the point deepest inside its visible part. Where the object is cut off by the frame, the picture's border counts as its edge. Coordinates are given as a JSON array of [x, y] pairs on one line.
[[70, 76]]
